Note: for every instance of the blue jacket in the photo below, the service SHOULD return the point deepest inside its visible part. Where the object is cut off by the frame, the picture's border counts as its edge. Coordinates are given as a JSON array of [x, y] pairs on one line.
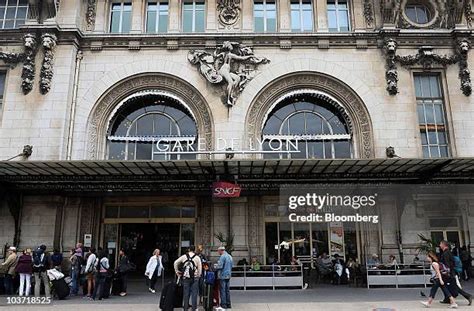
[[224, 267]]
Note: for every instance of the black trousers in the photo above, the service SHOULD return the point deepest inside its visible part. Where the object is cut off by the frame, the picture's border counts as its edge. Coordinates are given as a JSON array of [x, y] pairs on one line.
[[457, 289]]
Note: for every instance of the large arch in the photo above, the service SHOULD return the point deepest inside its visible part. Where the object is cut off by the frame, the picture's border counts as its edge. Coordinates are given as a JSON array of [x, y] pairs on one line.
[[326, 87], [156, 82]]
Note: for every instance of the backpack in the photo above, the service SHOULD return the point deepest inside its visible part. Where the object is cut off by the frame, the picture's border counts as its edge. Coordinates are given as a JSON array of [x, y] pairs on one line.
[[457, 264], [38, 260], [189, 267], [445, 271], [210, 278]]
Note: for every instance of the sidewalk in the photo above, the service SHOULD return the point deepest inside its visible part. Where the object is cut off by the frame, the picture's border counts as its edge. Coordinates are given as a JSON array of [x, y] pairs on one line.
[[324, 298]]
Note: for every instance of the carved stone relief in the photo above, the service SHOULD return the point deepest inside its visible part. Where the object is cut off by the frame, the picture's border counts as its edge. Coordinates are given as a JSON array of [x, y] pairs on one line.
[[104, 107], [49, 43], [443, 13], [369, 12], [232, 64], [361, 125], [91, 14], [427, 58], [40, 10], [229, 11]]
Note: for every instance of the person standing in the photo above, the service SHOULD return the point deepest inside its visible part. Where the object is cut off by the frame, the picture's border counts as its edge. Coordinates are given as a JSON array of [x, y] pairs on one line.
[[466, 260], [90, 270], [224, 273], [24, 267], [41, 263], [154, 269], [189, 267], [102, 273], [438, 282], [8, 267], [75, 259], [447, 259], [124, 266]]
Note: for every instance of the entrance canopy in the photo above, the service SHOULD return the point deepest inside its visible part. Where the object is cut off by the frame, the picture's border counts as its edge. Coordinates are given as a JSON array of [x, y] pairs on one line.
[[251, 175]]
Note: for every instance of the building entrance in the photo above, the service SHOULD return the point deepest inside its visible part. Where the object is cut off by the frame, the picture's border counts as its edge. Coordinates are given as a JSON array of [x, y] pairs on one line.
[[140, 240]]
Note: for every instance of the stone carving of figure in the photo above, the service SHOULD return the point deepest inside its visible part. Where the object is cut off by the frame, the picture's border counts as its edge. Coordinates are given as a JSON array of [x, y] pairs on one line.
[[232, 63], [46, 75], [229, 11]]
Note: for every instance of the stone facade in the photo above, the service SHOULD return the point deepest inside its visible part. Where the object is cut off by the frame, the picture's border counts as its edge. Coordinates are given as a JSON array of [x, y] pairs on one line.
[[94, 70]]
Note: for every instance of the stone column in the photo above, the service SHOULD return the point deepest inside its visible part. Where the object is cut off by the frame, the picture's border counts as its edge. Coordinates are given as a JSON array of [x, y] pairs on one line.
[[211, 16], [284, 16], [247, 16], [321, 16], [102, 16], [137, 16], [174, 16]]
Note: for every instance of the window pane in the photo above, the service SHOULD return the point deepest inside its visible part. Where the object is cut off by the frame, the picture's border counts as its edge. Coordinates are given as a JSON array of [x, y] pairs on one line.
[[188, 21], [343, 21], [308, 20], [115, 22], [200, 21], [295, 21], [332, 21], [151, 22], [126, 22], [163, 22], [2, 83]]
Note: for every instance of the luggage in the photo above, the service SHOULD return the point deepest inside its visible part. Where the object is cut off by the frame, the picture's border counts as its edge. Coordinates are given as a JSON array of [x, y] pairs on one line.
[[116, 286], [208, 297], [171, 297], [61, 288], [107, 287]]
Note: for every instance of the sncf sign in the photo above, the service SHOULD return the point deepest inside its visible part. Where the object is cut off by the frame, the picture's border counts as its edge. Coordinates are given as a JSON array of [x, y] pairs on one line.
[[224, 189]]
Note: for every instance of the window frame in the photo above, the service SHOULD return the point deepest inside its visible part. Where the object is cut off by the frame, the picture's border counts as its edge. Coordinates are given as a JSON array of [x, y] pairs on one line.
[[446, 111], [158, 11], [193, 10], [15, 20], [416, 6], [301, 15], [265, 18], [337, 10], [111, 11]]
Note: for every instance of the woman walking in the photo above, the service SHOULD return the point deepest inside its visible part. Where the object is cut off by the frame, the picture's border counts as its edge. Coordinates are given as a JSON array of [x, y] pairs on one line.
[[154, 269], [437, 270], [24, 267]]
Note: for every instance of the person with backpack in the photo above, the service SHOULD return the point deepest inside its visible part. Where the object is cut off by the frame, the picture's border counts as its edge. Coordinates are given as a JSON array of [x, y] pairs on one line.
[[224, 273], [41, 263], [189, 268], [8, 267], [447, 259], [154, 269], [101, 276], [439, 275], [90, 270]]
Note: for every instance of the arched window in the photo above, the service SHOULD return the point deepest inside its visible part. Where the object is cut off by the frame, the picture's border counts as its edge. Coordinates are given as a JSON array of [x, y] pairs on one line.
[[317, 127], [152, 127]]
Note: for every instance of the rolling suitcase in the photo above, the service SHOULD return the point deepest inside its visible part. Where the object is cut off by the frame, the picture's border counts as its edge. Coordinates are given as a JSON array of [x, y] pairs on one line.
[[208, 297], [61, 288], [116, 286], [171, 297]]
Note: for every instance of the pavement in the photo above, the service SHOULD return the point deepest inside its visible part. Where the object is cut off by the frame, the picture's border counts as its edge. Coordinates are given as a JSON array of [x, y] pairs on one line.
[[322, 297]]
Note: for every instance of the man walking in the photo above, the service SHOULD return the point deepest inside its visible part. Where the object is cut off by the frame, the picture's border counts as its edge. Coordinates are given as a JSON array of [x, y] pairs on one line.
[[224, 272], [448, 260], [189, 267]]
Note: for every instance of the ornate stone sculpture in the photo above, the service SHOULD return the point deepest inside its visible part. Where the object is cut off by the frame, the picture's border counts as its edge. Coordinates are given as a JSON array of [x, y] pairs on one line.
[[28, 72], [43, 9], [232, 63], [368, 12], [229, 11], [390, 10], [391, 75], [46, 75], [426, 57], [91, 14]]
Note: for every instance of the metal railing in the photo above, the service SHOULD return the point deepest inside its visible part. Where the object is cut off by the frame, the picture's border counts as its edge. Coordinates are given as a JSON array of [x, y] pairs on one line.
[[401, 275], [268, 276]]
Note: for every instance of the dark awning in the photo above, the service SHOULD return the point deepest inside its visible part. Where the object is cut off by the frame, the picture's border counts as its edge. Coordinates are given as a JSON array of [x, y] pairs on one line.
[[250, 174]]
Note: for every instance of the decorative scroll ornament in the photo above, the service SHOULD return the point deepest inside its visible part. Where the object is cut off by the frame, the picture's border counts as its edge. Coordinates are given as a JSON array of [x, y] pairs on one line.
[[229, 11], [91, 14], [233, 64], [426, 57], [49, 42], [368, 13]]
